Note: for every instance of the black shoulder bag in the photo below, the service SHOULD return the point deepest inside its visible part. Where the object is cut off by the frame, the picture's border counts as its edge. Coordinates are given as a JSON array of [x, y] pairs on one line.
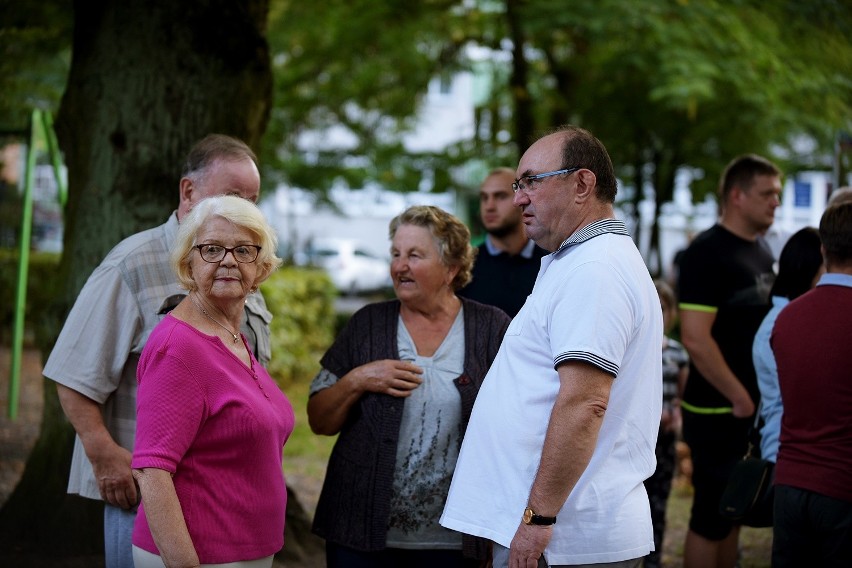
[[749, 497]]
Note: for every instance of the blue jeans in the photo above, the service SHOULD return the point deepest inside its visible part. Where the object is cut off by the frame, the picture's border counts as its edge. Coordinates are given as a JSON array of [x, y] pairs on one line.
[[118, 531]]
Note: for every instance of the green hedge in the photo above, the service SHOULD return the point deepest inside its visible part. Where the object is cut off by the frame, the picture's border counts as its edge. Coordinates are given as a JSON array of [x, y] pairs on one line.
[[42, 289], [303, 322]]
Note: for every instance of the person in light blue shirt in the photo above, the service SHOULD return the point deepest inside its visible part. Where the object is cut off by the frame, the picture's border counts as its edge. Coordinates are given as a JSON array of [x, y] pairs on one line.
[[799, 268]]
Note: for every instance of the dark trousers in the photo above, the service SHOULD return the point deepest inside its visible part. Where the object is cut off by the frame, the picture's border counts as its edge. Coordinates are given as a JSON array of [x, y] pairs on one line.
[[716, 442], [338, 556], [810, 530], [658, 486]]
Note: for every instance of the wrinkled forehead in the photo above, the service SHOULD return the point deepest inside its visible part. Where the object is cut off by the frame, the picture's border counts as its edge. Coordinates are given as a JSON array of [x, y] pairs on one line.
[[231, 177]]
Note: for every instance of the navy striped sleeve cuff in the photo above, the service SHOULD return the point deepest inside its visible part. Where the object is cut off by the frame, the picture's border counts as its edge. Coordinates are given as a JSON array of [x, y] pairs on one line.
[[586, 357]]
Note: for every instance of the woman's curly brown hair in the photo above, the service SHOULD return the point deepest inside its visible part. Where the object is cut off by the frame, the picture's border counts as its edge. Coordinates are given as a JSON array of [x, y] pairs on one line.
[[451, 236]]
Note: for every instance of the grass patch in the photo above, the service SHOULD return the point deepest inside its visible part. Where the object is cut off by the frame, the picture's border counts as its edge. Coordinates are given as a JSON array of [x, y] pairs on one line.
[[304, 447]]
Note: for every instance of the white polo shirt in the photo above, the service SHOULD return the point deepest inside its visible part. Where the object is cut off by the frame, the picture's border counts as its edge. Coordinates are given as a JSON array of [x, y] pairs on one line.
[[593, 301]]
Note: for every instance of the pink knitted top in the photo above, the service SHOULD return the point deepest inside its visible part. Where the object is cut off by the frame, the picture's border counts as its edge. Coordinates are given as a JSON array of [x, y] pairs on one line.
[[219, 428]]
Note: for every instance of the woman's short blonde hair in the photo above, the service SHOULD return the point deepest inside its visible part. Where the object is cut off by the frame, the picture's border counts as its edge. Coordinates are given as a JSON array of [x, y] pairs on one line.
[[242, 213], [450, 234]]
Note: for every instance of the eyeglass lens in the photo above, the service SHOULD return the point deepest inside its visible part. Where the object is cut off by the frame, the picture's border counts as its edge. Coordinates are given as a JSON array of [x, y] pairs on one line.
[[242, 253]]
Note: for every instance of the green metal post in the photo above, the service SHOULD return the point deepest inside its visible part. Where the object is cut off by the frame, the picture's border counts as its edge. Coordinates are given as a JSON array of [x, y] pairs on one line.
[[23, 271], [55, 156]]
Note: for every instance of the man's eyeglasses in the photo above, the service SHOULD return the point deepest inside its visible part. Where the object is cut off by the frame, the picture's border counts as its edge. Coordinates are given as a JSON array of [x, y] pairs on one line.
[[242, 253], [525, 182]]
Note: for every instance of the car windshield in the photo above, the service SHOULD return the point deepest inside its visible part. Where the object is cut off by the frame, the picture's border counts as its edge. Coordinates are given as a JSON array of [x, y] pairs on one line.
[[359, 252]]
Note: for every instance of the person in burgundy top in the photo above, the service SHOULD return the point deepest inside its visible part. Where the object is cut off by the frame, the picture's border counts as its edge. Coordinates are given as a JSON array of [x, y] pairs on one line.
[[211, 422], [813, 473]]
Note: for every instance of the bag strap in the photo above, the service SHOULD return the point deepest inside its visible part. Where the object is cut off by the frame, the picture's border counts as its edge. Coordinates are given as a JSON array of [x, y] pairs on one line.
[[754, 434]]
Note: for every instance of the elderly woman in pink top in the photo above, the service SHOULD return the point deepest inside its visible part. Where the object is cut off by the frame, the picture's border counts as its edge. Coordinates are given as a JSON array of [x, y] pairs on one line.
[[211, 422]]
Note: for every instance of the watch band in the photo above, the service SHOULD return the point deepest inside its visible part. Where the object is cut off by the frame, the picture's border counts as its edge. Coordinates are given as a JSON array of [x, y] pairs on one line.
[[531, 518]]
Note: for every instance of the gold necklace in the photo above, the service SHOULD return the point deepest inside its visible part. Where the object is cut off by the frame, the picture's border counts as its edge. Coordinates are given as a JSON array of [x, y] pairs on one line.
[[211, 318]]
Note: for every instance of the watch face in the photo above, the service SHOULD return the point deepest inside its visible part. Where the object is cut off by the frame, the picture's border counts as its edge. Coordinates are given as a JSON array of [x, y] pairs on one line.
[[530, 518]]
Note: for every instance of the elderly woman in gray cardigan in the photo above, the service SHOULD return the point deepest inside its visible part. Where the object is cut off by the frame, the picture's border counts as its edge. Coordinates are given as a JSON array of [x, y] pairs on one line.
[[398, 386]]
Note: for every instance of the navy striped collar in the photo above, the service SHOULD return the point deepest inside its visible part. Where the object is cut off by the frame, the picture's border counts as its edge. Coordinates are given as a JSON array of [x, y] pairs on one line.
[[594, 229]]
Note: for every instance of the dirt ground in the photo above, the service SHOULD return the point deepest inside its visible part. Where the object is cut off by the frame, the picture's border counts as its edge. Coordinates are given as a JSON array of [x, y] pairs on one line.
[[18, 436]]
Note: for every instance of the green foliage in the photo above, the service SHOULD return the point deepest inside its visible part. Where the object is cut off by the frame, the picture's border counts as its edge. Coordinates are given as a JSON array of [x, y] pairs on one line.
[[303, 326], [305, 451], [42, 288], [364, 66], [35, 55], [668, 85], [302, 305], [664, 84]]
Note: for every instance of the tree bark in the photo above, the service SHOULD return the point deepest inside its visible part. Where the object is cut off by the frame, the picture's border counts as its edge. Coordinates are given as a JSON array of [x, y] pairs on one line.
[[147, 80], [522, 117]]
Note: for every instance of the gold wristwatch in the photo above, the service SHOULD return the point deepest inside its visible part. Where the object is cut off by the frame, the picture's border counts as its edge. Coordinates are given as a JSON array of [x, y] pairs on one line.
[[530, 518]]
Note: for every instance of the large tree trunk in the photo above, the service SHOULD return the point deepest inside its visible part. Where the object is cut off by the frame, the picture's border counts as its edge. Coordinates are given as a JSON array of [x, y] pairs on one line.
[[148, 79]]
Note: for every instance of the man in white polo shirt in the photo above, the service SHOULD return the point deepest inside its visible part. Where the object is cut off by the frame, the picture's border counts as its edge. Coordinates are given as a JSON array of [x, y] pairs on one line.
[[562, 433]]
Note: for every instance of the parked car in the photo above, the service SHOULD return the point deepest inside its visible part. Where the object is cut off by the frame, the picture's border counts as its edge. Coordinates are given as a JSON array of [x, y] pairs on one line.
[[352, 268]]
